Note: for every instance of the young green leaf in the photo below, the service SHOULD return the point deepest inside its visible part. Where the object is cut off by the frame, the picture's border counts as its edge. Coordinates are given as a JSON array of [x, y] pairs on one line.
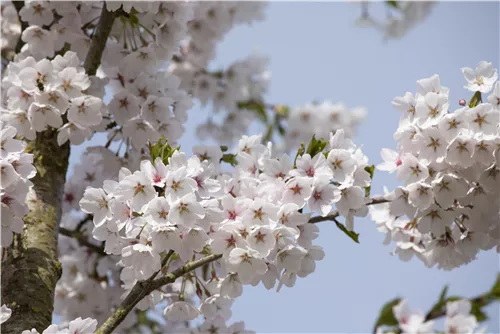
[[230, 159], [393, 4], [475, 100], [386, 317], [316, 146], [351, 234], [370, 170]]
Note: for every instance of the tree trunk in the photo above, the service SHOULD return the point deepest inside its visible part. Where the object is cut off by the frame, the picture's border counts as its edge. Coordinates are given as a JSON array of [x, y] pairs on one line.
[[31, 268]]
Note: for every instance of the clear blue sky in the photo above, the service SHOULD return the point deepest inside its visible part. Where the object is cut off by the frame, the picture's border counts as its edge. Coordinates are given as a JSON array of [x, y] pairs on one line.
[[317, 53]]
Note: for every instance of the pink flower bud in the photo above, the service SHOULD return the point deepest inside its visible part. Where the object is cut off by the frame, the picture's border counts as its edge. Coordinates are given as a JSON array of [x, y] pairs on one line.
[[462, 102]]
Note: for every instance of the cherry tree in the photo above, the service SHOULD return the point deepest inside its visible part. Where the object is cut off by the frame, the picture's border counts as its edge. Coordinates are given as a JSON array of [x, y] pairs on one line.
[[146, 238]]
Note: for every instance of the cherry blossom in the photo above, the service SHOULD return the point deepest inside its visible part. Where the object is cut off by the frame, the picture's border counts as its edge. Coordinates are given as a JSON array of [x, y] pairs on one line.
[[449, 171]]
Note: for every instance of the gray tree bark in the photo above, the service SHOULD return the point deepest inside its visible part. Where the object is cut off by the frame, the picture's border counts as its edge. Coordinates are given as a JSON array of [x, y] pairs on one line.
[[30, 267]]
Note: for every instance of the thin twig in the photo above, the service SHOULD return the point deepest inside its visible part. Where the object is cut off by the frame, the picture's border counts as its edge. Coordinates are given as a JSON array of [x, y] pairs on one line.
[[83, 221], [334, 214], [143, 288], [82, 240]]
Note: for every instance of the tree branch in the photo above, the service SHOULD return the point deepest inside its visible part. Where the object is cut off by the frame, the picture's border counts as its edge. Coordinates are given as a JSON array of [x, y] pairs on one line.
[[82, 240], [143, 288], [101, 34], [481, 300], [334, 214], [188, 267], [19, 5]]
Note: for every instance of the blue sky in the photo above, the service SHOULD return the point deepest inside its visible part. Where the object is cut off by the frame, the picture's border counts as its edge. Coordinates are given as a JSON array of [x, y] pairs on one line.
[[317, 53]]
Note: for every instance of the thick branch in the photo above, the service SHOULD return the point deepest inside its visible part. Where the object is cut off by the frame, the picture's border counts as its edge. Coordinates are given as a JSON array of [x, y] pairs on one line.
[[143, 288], [30, 273], [334, 214], [101, 34]]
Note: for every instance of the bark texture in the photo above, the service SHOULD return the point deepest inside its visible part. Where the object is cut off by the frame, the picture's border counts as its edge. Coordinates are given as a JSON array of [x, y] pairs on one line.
[[31, 268]]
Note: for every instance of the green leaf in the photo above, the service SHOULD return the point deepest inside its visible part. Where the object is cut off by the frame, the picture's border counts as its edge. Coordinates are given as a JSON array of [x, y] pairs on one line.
[[282, 110], [370, 170], [281, 129], [495, 290], [162, 149], [386, 317], [475, 100], [230, 159], [478, 313], [269, 133], [442, 295], [224, 148], [300, 152], [315, 146], [255, 106], [475, 306], [393, 4], [441, 303], [351, 234]]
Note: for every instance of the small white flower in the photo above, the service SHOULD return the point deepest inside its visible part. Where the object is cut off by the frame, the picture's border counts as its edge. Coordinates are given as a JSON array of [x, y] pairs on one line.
[[482, 79], [420, 195], [262, 240], [137, 189], [341, 163], [5, 313], [392, 160], [494, 98], [297, 191], [412, 170], [80, 326], [348, 198], [231, 286], [322, 197], [96, 202], [186, 211], [42, 115], [85, 110], [247, 263], [181, 311]]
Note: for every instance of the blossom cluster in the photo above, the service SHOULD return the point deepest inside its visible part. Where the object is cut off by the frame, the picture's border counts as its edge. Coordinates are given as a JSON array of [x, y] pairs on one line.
[[402, 16], [303, 122], [459, 319], [10, 27], [16, 170], [77, 326], [39, 94], [243, 81], [147, 100], [448, 209], [255, 218]]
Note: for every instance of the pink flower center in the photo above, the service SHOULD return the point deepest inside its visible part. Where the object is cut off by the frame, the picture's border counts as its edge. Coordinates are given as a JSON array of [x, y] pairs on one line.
[[398, 162], [232, 215]]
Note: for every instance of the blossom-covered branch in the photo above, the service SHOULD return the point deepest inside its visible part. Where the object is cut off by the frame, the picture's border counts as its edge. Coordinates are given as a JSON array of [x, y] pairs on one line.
[[462, 314], [447, 209], [142, 289]]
